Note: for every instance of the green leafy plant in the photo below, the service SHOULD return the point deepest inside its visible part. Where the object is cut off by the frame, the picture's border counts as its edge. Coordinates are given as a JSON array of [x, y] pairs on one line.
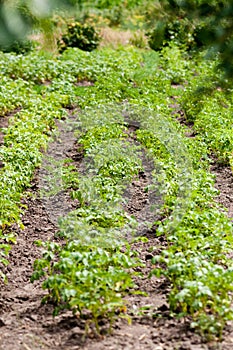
[[91, 271], [179, 31], [83, 36], [19, 47], [84, 279], [89, 274]]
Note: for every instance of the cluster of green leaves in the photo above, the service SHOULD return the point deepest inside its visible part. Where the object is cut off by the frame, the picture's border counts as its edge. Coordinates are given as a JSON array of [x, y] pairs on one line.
[[30, 127], [26, 136], [202, 222], [19, 47], [188, 22], [216, 27], [83, 36], [110, 13], [198, 243], [103, 4], [90, 282], [89, 272], [195, 260], [179, 31], [39, 86], [208, 107], [193, 24], [199, 234]]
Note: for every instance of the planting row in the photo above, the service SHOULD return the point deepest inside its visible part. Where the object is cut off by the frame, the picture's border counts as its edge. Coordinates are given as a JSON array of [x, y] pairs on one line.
[[117, 90]]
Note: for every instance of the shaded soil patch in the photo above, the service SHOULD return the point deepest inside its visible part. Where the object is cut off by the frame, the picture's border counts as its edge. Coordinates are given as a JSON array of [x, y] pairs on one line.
[[56, 199], [4, 121], [139, 198], [181, 118], [224, 183]]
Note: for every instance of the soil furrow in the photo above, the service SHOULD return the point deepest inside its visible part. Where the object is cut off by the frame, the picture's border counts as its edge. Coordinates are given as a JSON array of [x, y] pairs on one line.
[[224, 183], [26, 324]]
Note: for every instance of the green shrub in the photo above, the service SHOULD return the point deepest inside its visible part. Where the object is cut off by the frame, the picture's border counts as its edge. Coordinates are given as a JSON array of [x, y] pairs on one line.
[[180, 31], [114, 15], [83, 36], [19, 47]]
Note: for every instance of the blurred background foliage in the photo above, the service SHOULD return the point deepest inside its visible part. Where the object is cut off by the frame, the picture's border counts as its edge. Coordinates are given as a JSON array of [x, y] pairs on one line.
[[17, 17], [194, 24]]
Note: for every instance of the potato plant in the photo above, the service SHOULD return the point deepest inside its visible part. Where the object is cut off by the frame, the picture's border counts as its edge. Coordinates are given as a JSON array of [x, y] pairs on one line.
[[91, 272]]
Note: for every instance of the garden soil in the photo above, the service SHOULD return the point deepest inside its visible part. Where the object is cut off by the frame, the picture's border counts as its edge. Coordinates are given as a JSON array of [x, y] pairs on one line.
[[26, 324]]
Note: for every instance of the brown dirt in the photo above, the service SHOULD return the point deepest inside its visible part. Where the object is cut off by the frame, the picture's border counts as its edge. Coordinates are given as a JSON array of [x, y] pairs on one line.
[[26, 324], [224, 183], [84, 83], [113, 37], [3, 124]]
